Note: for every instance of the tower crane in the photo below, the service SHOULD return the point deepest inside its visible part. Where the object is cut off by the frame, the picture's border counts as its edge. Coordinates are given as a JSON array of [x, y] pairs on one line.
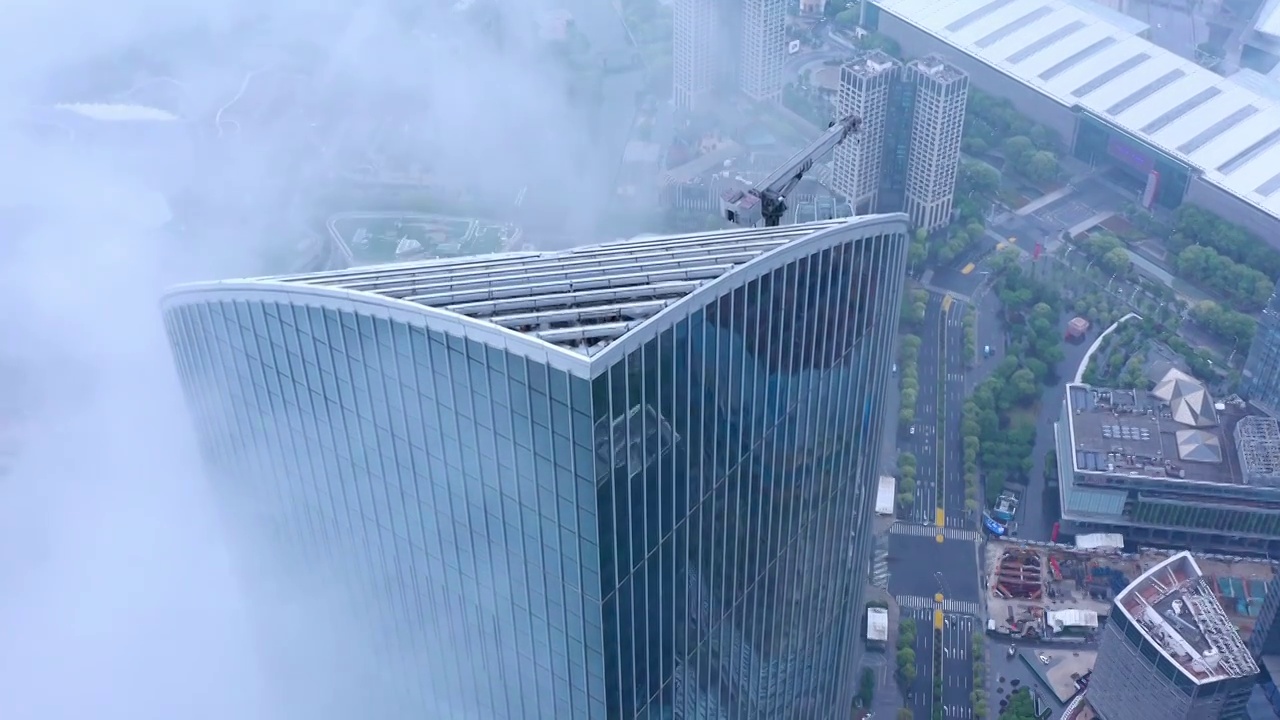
[[768, 199]]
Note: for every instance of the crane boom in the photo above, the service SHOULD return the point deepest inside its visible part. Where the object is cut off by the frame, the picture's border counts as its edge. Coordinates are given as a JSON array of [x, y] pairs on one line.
[[768, 200]]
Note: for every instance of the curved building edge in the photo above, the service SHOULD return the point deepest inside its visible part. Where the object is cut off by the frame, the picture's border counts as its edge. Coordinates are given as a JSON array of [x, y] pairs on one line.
[[381, 306], [857, 228], [527, 346]]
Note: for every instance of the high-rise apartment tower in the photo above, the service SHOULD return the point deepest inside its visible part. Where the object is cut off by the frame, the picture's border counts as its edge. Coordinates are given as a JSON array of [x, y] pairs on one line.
[[865, 85], [937, 122], [763, 49], [697, 45], [633, 480], [1169, 651], [1260, 380]]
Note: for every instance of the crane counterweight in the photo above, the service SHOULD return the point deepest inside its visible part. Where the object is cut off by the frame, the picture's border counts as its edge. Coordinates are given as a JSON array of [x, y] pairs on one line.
[[767, 201]]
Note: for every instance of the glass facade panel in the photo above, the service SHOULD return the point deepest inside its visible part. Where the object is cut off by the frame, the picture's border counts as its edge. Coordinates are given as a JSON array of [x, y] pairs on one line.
[[393, 459], [733, 479], [680, 531]]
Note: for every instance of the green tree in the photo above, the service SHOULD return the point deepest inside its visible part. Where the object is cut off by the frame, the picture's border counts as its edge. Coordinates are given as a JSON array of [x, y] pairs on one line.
[[978, 178], [1017, 150], [1040, 166], [906, 633], [905, 714], [1115, 261], [1020, 707], [846, 19], [867, 688]]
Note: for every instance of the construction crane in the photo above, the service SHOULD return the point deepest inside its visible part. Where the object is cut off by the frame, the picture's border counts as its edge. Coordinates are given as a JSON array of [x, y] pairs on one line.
[[768, 200]]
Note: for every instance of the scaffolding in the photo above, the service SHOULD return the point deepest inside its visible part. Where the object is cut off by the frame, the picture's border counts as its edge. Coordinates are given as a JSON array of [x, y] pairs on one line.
[[1258, 446]]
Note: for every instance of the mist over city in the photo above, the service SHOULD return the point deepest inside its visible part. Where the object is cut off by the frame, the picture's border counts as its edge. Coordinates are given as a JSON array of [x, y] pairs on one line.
[[640, 359], [121, 599]]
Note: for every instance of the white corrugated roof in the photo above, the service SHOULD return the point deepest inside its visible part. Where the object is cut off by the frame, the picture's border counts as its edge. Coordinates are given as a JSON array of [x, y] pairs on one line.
[[1228, 132], [885, 495], [877, 624]]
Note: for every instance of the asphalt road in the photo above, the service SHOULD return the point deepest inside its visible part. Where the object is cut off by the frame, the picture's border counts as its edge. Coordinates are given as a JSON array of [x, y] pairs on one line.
[[921, 566], [957, 665], [924, 442], [952, 390], [920, 694]]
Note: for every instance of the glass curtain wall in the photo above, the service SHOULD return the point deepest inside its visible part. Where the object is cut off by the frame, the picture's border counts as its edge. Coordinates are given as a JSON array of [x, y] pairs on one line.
[[734, 476], [684, 536], [435, 476]]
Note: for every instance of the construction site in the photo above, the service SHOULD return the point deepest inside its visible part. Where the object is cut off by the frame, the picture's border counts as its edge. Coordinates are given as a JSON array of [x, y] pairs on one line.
[[1056, 592]]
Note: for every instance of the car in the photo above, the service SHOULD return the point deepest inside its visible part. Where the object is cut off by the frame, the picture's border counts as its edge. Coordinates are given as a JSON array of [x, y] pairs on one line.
[[1044, 660], [911, 430], [986, 351], [895, 368]]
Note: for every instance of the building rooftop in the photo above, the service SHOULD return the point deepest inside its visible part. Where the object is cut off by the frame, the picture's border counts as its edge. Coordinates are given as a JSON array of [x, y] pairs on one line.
[[1174, 432], [870, 64], [1176, 611], [1257, 439], [938, 68], [1227, 131], [582, 298]]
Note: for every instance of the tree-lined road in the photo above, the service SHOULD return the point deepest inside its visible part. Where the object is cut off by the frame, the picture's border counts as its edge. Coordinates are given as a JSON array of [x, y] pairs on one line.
[[952, 390], [923, 442]]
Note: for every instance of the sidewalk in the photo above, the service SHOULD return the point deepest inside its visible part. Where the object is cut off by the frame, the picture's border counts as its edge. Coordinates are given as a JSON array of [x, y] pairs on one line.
[[888, 696]]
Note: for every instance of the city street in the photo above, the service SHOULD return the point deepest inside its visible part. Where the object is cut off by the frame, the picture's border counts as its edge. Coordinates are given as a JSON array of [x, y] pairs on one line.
[[952, 390], [957, 665], [923, 443], [919, 697], [921, 567]]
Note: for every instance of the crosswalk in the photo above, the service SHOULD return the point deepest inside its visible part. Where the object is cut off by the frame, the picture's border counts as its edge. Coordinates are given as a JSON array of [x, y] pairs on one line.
[[948, 533], [880, 564], [927, 605]]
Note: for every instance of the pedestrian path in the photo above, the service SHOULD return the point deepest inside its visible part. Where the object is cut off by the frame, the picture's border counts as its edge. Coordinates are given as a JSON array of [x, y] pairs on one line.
[[915, 602], [948, 533]]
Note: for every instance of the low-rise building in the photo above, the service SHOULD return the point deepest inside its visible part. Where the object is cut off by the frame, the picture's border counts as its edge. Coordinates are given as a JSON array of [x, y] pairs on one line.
[[1169, 466]]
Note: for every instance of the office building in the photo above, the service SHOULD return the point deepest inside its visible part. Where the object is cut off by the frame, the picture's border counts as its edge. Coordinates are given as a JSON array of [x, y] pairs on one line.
[[1170, 129], [631, 480], [1169, 467], [696, 48], [865, 88], [1260, 380], [937, 123], [763, 49], [1169, 651]]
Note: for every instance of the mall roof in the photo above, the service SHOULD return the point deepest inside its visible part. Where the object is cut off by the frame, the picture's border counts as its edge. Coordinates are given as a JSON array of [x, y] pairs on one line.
[[580, 299], [1228, 132], [1176, 611]]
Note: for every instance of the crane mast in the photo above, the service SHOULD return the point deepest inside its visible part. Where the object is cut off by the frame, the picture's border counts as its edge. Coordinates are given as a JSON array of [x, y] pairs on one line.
[[767, 201]]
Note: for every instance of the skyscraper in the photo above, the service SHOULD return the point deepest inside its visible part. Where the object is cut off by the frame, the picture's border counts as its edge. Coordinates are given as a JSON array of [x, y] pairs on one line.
[[1260, 380], [865, 85], [632, 480], [696, 49], [937, 122], [764, 48], [1169, 651]]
